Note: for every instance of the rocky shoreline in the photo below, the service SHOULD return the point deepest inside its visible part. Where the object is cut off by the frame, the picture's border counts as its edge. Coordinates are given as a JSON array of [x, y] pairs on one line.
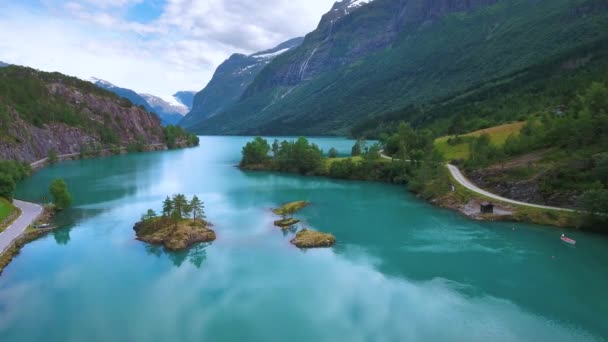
[[174, 236]]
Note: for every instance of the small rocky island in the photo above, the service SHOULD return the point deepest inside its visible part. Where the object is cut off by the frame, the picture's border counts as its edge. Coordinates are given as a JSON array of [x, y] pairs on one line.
[[181, 225], [305, 238], [311, 239], [286, 211]]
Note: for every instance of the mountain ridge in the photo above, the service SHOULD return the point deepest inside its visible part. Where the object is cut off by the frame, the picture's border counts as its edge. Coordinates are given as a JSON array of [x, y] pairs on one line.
[[169, 114], [390, 54], [230, 80]]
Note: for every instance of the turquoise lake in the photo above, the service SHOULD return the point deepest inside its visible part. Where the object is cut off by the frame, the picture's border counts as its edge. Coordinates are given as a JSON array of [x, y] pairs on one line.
[[402, 270]]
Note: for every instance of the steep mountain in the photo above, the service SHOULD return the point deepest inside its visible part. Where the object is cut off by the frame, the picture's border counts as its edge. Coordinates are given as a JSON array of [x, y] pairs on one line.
[[40, 112], [369, 58], [169, 114], [186, 98], [2, 64], [230, 81]]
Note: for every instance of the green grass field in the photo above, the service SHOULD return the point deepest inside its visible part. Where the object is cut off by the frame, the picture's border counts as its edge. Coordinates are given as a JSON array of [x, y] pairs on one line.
[[6, 209], [329, 161], [498, 136]]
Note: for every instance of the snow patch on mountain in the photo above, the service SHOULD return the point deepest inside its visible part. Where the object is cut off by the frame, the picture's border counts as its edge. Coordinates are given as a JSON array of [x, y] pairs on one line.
[[358, 3], [168, 104], [272, 54]]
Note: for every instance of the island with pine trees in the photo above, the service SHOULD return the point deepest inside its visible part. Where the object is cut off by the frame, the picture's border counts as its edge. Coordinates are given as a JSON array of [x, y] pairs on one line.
[[181, 224]]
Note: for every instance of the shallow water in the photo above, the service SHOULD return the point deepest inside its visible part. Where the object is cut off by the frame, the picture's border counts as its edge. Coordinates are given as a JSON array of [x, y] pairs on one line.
[[402, 269]]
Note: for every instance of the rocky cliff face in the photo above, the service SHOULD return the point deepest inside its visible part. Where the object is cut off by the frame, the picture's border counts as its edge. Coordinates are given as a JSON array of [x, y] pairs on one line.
[[369, 58], [230, 81], [354, 29], [99, 120]]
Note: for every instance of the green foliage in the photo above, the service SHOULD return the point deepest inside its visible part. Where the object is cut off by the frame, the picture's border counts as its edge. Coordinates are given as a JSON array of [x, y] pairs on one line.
[[178, 208], [595, 204], [431, 178], [407, 143], [139, 145], [358, 148], [333, 153], [300, 156], [198, 208], [548, 86], [371, 169], [176, 136], [53, 156], [289, 156], [11, 172], [149, 215], [61, 196], [482, 152], [490, 65], [256, 152], [7, 186]]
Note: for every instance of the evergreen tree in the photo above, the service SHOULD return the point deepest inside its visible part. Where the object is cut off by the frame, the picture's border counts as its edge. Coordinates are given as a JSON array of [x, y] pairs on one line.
[[167, 207], [198, 208], [180, 206], [275, 148], [333, 153], [150, 214]]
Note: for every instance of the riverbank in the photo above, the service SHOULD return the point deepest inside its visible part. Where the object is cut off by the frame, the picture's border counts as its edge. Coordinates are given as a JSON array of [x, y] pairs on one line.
[[467, 202], [107, 152], [21, 231]]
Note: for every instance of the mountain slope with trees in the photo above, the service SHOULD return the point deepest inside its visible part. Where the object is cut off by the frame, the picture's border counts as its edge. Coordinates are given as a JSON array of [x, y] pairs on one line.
[[44, 114], [230, 81], [391, 54]]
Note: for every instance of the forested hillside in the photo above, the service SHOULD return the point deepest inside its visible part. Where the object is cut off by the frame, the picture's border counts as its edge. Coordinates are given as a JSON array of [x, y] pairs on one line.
[[389, 55], [50, 113]]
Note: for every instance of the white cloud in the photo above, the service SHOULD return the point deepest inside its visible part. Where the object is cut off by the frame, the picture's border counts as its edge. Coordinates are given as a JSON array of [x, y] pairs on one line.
[[179, 50]]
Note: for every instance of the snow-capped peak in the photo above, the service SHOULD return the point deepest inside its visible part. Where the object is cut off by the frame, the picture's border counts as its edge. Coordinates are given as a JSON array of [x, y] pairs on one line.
[[101, 82], [166, 101], [358, 3]]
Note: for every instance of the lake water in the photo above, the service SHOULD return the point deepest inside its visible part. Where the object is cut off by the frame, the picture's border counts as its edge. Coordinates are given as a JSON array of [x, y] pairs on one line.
[[402, 270]]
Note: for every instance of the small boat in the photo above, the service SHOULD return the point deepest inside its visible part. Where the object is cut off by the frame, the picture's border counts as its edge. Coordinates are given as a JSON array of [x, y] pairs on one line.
[[42, 226], [568, 240]]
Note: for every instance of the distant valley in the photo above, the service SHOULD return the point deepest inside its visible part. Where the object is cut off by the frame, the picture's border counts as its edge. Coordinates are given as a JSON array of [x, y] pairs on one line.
[[169, 113]]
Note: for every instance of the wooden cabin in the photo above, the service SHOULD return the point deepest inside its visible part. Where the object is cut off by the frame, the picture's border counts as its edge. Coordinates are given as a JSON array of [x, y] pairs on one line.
[[487, 208]]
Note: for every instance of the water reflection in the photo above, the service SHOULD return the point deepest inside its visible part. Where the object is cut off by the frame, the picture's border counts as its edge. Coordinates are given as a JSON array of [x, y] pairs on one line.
[[62, 236], [196, 255]]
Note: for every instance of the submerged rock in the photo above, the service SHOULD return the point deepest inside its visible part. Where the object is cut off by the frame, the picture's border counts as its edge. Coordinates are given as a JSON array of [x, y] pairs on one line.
[[312, 239], [180, 236]]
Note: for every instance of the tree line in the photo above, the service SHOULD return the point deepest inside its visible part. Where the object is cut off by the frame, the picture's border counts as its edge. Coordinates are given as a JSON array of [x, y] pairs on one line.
[[178, 208]]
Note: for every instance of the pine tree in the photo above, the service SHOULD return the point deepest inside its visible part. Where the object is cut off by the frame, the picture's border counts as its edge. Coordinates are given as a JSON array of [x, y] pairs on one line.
[[167, 207], [180, 206], [198, 208]]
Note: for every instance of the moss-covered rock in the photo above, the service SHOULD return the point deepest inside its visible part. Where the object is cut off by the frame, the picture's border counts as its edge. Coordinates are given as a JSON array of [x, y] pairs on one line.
[[312, 239], [286, 223], [290, 208], [174, 236]]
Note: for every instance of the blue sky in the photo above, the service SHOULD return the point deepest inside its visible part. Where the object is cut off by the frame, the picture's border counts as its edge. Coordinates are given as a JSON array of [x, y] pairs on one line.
[[151, 46]]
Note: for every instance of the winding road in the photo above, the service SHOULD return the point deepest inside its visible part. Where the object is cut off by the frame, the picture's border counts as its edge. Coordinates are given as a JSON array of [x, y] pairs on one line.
[[29, 213], [460, 178]]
